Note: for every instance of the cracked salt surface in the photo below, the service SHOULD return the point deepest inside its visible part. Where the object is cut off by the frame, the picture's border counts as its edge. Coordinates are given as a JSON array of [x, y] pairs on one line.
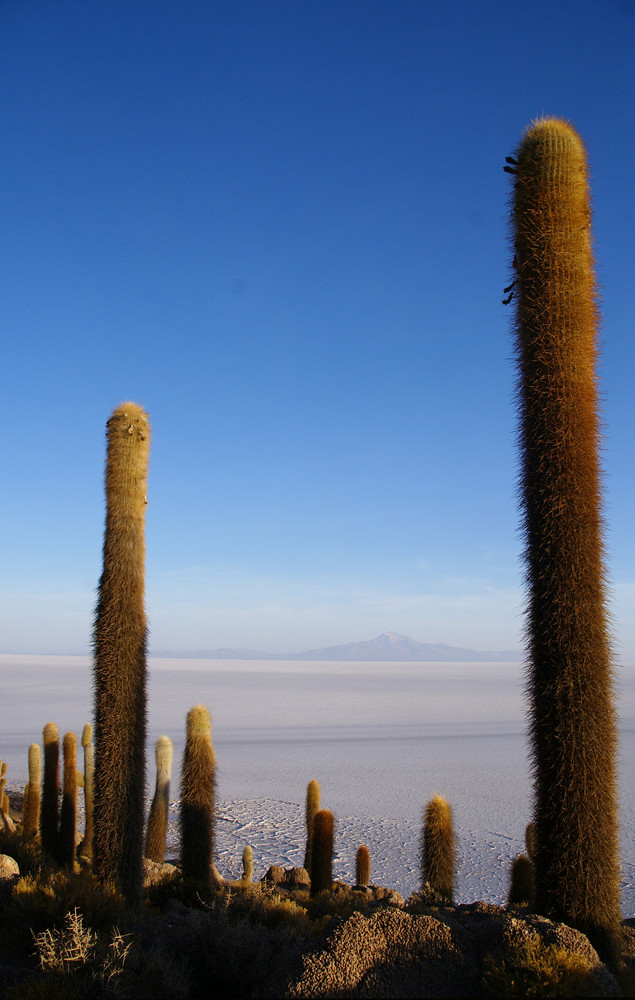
[[380, 738]]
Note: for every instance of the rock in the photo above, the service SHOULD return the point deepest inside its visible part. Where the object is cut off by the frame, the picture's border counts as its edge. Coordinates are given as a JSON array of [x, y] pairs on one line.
[[8, 867], [274, 875], [395, 954], [289, 879], [155, 871]]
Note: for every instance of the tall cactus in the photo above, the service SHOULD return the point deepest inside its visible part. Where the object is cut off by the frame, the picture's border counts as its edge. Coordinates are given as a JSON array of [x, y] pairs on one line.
[[311, 809], [158, 817], [322, 859], [32, 793], [68, 815], [85, 849], [119, 641], [198, 780], [49, 812], [572, 720]]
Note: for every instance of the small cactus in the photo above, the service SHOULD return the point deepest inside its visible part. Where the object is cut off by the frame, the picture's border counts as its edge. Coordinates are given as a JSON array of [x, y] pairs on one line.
[[85, 849], [439, 848], [521, 883], [158, 818], [68, 817], [49, 807], [362, 865], [198, 779], [248, 865], [32, 792], [312, 807], [322, 857]]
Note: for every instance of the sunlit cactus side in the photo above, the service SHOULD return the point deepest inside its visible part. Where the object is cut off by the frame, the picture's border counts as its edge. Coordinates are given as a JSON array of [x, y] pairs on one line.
[[32, 793], [521, 883], [68, 816], [572, 717], [439, 848], [362, 865], [322, 856], [85, 848], [248, 865], [49, 814], [198, 782], [312, 807], [4, 800], [119, 642], [156, 832]]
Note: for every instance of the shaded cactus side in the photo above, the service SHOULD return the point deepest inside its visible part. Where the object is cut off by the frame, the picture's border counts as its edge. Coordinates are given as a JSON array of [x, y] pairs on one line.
[[521, 882], [68, 816], [572, 718], [439, 848], [530, 840], [159, 810], [49, 816], [32, 793], [85, 849], [198, 781], [322, 854], [312, 807], [119, 642], [362, 865]]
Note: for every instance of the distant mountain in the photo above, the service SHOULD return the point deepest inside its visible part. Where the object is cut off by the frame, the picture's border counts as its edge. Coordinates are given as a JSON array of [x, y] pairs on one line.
[[387, 646]]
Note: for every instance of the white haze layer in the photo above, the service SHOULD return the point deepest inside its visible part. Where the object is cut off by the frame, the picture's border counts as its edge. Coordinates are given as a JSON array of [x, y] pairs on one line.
[[380, 738]]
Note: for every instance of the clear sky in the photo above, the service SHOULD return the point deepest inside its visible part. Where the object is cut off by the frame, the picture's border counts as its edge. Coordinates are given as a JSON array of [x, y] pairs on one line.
[[281, 227]]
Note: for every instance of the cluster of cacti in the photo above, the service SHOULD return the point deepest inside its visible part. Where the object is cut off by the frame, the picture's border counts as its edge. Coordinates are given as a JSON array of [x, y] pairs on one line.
[[198, 783], [572, 719], [119, 641], [438, 848], [572, 870]]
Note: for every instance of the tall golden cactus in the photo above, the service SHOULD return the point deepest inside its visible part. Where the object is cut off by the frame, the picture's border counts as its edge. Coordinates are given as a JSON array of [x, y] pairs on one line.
[[198, 782], [119, 641], [49, 812], [572, 721], [159, 809]]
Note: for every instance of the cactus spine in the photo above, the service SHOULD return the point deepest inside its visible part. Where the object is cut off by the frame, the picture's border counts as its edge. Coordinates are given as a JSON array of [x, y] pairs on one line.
[[362, 865], [32, 792], [119, 642], [49, 808], [322, 858], [85, 849], [68, 817], [439, 848], [158, 817], [198, 779], [312, 807], [572, 721]]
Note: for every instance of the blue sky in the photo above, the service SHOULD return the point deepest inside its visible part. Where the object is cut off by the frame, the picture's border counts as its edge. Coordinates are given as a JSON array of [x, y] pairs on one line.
[[282, 228]]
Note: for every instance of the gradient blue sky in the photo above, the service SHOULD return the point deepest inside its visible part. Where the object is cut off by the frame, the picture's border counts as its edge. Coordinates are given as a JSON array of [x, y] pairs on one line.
[[282, 228]]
